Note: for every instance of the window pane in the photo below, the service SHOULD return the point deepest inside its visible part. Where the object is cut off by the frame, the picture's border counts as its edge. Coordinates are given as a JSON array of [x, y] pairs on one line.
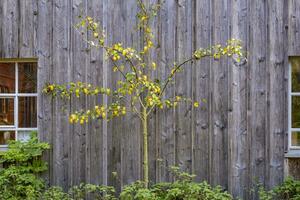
[[295, 111], [5, 136], [24, 135], [295, 62], [27, 77], [295, 138], [7, 77], [27, 112], [6, 111]]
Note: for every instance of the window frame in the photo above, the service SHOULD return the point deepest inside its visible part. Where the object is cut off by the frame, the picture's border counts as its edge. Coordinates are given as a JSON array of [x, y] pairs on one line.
[[15, 96]]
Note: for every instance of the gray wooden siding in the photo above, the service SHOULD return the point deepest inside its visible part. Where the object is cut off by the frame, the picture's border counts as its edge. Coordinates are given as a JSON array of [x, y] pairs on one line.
[[235, 139]]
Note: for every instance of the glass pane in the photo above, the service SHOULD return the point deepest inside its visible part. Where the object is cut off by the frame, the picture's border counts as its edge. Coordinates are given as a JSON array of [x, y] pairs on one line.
[[24, 135], [27, 112], [5, 136], [296, 139], [295, 111], [7, 77], [27, 77], [6, 111], [295, 62]]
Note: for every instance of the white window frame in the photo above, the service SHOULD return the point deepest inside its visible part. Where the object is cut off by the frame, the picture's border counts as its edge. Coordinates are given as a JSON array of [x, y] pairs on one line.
[[290, 95], [16, 96]]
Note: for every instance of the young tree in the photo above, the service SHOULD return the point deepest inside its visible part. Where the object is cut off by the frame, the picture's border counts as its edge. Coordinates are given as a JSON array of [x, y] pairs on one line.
[[137, 91]]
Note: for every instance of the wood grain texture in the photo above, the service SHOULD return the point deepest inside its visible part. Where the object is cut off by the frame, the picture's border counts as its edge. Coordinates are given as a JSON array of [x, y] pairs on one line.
[[97, 158], [167, 56], [258, 107], [201, 91], [61, 135], [218, 91], [183, 85], [238, 143], [44, 54], [236, 137], [131, 135], [293, 27]]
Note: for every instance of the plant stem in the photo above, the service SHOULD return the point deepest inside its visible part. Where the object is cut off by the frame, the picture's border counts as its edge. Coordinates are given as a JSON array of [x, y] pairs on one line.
[[145, 136]]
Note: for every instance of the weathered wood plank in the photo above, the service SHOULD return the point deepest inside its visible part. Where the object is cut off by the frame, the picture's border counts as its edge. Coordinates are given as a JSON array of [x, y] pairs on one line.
[[95, 132], [105, 71], [27, 28], [44, 53], [166, 125], [183, 85], [257, 101], [219, 102], [238, 149], [114, 128], [10, 28], [294, 25], [61, 74], [154, 162], [79, 57], [131, 132], [1, 30], [201, 90], [277, 90]]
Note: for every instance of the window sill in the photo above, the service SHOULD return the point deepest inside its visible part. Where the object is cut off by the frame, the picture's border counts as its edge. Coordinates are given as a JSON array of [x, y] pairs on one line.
[[295, 153], [3, 148]]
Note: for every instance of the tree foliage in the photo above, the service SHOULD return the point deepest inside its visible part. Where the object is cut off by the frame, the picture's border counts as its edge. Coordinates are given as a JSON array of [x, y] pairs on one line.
[[138, 91]]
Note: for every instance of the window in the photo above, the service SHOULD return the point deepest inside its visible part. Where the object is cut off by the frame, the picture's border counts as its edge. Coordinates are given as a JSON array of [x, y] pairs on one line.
[[294, 103], [18, 100]]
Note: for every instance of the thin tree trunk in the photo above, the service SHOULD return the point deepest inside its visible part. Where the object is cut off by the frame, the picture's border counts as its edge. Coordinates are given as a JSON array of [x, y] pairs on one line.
[[145, 136]]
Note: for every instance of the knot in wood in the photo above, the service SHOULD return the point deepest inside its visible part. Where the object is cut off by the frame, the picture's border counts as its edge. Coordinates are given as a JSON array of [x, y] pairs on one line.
[[219, 124]]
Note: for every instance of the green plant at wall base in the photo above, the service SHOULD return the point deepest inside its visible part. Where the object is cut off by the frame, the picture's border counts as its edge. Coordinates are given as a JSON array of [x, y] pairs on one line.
[[288, 190], [99, 191], [182, 189], [22, 163], [138, 91]]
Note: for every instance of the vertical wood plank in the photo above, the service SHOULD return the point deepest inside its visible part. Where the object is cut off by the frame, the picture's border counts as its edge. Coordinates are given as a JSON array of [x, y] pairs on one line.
[[201, 91], [219, 81], [45, 65], [95, 134], [79, 55], [183, 85], [166, 119], [257, 101], [114, 127], [61, 74], [131, 131], [238, 149], [1, 30], [10, 28], [27, 28], [294, 25], [104, 77], [276, 88]]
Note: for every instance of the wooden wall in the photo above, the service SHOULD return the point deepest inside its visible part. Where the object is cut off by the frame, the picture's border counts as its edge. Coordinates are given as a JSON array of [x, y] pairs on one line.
[[236, 139]]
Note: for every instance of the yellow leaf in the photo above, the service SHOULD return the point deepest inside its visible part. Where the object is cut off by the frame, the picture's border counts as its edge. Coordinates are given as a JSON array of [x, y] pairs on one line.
[[196, 104], [154, 65]]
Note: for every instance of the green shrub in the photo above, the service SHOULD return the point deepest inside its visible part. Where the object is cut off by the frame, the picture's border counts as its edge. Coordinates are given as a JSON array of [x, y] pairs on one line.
[[22, 163], [55, 193], [80, 192], [178, 190], [289, 190], [182, 189], [99, 192]]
